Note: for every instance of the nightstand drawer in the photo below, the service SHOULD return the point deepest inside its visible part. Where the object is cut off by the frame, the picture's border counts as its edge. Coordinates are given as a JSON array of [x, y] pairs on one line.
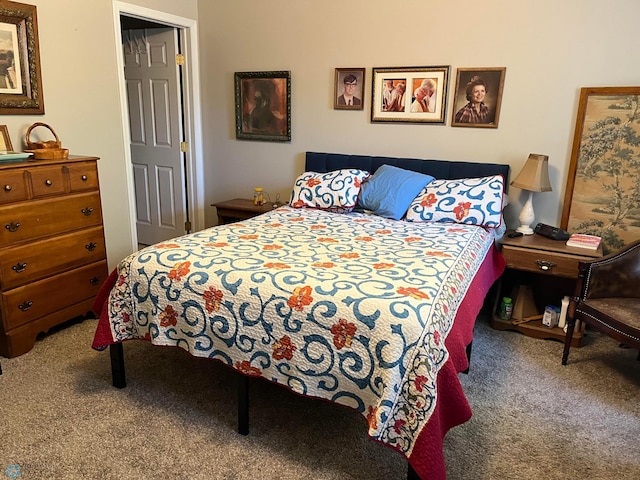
[[544, 262]]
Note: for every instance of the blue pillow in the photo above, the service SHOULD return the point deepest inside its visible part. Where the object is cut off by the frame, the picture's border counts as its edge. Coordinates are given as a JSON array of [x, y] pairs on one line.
[[390, 191]]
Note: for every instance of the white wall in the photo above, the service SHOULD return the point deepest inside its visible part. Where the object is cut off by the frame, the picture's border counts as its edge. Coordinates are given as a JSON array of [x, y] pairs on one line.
[[550, 48], [81, 97]]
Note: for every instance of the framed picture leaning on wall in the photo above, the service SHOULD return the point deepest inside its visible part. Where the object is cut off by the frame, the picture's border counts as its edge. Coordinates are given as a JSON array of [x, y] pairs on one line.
[[478, 96], [603, 184], [409, 94], [263, 106], [349, 89]]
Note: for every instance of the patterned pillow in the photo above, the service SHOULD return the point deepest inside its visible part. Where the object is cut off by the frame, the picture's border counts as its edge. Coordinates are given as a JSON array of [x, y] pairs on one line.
[[335, 191], [474, 201]]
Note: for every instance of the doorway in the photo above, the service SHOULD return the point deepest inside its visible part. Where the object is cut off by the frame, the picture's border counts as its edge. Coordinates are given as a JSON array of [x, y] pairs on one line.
[[161, 118]]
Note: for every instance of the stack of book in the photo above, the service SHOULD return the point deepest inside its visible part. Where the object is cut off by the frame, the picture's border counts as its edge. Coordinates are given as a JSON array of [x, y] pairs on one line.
[[582, 240]]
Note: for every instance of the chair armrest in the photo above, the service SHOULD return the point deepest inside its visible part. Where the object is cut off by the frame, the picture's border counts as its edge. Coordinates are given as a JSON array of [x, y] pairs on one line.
[[614, 275]]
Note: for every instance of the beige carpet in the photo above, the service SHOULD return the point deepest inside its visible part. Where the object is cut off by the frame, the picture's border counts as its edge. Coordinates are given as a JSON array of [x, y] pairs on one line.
[[60, 418]]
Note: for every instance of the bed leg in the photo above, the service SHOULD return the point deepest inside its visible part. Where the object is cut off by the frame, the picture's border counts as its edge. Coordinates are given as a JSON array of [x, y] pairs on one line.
[[117, 365], [411, 473], [468, 357], [243, 405]]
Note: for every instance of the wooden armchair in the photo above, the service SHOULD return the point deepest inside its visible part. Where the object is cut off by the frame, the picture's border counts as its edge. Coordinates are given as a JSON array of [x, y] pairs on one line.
[[607, 297]]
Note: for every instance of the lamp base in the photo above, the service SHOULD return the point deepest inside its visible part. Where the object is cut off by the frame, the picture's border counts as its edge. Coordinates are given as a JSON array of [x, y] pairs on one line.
[[525, 230]]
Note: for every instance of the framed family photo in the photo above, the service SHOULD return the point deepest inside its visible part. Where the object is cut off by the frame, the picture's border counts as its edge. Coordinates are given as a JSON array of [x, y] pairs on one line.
[[603, 196], [409, 94], [478, 96], [20, 78], [263, 106], [349, 89]]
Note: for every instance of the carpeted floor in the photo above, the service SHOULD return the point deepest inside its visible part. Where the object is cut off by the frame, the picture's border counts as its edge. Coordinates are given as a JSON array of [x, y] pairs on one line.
[[60, 418]]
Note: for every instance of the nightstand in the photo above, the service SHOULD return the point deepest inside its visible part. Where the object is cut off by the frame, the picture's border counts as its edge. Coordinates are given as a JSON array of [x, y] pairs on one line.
[[550, 268], [239, 209]]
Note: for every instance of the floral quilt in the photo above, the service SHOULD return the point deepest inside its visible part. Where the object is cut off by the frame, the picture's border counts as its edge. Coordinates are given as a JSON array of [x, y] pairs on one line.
[[352, 308]]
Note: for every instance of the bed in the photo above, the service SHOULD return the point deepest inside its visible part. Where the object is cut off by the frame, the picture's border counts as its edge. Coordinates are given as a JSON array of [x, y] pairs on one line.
[[367, 311]]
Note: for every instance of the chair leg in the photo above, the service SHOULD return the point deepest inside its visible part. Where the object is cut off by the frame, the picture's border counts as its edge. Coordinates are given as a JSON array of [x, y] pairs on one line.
[[571, 325]]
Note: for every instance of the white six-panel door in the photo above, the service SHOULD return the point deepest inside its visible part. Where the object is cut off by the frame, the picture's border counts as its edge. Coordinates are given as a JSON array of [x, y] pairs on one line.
[[155, 119]]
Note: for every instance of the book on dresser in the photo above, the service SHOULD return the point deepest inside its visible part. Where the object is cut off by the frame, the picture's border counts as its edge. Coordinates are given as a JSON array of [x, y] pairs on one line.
[[582, 240]]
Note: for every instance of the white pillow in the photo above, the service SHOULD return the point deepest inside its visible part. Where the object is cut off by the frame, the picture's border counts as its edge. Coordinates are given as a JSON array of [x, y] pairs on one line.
[[336, 191]]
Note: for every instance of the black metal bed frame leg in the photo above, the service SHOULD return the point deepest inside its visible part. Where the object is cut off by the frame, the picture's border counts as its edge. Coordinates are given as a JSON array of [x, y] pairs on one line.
[[469, 348], [411, 473], [117, 365], [243, 404]]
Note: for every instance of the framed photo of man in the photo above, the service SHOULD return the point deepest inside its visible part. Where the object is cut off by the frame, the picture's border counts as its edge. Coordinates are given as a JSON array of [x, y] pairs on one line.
[[478, 96], [349, 89]]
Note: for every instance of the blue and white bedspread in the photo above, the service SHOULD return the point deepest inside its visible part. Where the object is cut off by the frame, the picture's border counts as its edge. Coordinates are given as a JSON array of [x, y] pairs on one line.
[[351, 308]]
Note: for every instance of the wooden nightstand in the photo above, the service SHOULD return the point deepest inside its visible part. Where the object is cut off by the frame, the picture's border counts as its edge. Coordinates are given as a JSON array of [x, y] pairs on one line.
[[550, 268], [239, 209]]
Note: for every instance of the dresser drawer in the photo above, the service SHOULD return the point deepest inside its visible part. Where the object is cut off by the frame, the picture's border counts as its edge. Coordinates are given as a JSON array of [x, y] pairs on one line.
[[83, 176], [544, 262], [27, 263], [25, 304], [13, 187], [47, 181], [42, 218]]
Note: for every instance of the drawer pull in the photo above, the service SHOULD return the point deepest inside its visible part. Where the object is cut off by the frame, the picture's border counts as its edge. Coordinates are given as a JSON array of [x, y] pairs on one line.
[[87, 211], [94, 281], [19, 267], [25, 306], [545, 265], [8, 188], [84, 178], [91, 246], [48, 183], [13, 226]]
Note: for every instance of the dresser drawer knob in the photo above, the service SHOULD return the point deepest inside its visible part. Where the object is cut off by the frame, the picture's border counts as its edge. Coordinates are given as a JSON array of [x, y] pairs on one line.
[[19, 267], [48, 183], [25, 306], [91, 246], [8, 188], [94, 281], [84, 178], [545, 265], [13, 226], [87, 211]]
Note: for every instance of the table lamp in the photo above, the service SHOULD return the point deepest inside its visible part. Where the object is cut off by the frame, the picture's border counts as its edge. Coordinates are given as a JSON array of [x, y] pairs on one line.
[[534, 177]]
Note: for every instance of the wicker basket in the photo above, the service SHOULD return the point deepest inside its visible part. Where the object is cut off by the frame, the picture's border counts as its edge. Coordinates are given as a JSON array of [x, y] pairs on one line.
[[48, 144]]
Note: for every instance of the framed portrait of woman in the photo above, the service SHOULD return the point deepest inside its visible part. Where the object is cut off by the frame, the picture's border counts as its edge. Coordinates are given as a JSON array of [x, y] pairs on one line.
[[478, 96]]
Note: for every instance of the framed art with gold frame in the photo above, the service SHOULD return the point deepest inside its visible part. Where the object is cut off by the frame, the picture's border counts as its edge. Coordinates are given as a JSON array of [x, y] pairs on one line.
[[20, 79], [602, 196], [5, 140]]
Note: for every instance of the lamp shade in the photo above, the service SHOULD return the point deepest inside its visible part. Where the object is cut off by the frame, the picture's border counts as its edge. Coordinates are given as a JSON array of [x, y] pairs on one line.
[[534, 176]]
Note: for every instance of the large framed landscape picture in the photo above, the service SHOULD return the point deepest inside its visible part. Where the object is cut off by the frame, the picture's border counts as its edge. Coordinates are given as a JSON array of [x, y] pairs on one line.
[[603, 185]]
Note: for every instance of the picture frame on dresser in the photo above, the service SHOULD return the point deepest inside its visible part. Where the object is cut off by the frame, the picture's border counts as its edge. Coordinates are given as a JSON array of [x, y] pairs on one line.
[[5, 139], [263, 105], [601, 196], [20, 77]]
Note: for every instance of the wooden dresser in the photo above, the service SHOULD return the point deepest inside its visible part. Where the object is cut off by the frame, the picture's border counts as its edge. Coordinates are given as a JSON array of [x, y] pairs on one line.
[[52, 251]]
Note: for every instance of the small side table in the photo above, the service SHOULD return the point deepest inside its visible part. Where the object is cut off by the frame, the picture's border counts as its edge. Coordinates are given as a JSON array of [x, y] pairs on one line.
[[239, 209], [551, 268]]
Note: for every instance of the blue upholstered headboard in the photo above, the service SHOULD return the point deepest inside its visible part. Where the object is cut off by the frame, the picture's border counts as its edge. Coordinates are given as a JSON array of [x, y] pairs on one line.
[[445, 169]]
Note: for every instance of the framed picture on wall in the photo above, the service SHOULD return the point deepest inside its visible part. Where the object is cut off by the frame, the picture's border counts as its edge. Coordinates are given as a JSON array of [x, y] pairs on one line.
[[478, 96], [20, 79], [349, 89], [409, 94], [5, 140], [263, 106], [603, 195]]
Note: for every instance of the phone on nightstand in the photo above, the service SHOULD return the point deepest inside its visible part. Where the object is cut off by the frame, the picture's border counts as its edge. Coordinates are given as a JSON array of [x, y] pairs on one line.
[[553, 233]]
